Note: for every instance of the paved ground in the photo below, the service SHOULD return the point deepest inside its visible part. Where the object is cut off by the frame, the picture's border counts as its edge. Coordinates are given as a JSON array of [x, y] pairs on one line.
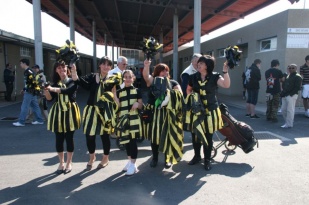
[[274, 173]]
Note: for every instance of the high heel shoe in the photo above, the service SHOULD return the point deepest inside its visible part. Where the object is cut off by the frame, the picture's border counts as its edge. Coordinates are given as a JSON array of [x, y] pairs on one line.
[[60, 171]]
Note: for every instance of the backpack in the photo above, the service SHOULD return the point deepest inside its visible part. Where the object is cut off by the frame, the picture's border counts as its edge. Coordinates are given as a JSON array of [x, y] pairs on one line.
[[247, 76]]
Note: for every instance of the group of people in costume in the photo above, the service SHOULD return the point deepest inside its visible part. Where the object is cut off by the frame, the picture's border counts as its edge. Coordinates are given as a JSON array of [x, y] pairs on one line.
[[113, 99]]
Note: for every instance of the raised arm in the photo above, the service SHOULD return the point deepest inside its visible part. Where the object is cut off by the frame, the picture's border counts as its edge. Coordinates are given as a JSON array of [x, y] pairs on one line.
[[147, 77], [224, 81]]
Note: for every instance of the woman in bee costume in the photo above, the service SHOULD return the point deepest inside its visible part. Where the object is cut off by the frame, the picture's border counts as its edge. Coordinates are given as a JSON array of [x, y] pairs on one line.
[[204, 116], [165, 131], [129, 100], [100, 112], [64, 116]]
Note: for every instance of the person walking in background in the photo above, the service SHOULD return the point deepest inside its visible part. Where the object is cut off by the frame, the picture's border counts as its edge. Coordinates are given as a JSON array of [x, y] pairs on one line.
[[191, 69], [30, 91], [204, 84], [9, 78], [273, 78], [304, 72], [129, 100], [64, 117], [292, 86], [253, 77], [40, 77], [93, 124]]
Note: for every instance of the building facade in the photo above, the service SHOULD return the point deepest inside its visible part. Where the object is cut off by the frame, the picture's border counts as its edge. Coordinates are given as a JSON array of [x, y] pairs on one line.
[[284, 36]]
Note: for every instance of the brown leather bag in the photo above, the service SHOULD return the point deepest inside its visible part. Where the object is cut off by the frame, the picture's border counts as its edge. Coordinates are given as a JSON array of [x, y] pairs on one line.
[[237, 132]]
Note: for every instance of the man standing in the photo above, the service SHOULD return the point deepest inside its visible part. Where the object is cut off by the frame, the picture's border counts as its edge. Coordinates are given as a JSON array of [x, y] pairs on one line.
[[9, 77], [253, 77], [122, 63], [30, 97], [273, 78], [292, 86], [304, 72], [191, 69]]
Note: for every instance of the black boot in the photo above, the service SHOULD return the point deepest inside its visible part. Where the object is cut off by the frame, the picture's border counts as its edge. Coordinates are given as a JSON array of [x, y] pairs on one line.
[[155, 154], [207, 165], [197, 150], [195, 160]]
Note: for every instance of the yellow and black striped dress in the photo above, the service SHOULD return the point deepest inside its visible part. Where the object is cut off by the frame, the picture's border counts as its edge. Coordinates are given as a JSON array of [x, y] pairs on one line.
[[209, 120], [64, 114], [166, 128], [98, 121], [127, 97]]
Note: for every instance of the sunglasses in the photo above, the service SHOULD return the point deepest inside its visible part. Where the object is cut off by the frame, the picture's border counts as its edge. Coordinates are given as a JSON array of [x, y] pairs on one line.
[[291, 68]]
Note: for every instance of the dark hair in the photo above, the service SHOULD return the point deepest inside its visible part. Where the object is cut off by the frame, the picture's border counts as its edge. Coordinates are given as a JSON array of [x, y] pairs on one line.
[[7, 65], [274, 63], [104, 60], [257, 61], [25, 61], [209, 61], [56, 77], [159, 68], [307, 58]]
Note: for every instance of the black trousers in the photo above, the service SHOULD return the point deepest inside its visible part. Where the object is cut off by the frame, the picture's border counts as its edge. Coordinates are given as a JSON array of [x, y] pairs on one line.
[[91, 144], [68, 137], [206, 148], [9, 89], [131, 149]]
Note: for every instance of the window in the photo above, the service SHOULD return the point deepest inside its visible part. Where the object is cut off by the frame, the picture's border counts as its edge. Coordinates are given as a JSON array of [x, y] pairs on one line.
[[132, 56], [221, 53], [268, 44], [26, 52]]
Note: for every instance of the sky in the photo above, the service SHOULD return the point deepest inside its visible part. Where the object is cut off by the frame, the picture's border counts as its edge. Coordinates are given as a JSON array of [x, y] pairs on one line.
[[17, 17]]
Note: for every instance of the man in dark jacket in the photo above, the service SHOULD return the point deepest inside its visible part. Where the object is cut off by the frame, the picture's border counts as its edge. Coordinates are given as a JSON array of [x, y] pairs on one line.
[[273, 78], [9, 77], [253, 77], [289, 94]]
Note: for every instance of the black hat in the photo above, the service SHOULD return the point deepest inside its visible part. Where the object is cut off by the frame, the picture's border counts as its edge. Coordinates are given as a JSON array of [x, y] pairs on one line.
[[36, 66]]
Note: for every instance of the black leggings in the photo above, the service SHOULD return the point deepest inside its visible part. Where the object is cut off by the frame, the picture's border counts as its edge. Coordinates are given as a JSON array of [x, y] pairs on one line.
[[131, 149], [68, 136], [105, 142], [206, 148]]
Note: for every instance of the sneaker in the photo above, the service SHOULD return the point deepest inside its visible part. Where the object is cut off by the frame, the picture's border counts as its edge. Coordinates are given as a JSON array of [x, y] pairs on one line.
[[254, 117], [127, 166], [286, 126], [132, 169], [247, 115], [279, 110], [18, 124], [37, 123]]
